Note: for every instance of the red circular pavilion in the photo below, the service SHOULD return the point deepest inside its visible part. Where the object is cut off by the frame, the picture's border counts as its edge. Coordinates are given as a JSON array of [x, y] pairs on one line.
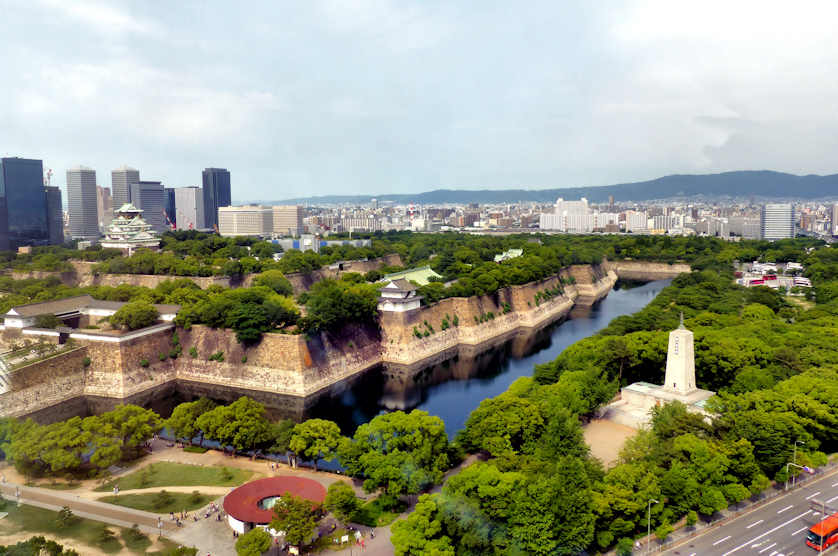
[[251, 504]]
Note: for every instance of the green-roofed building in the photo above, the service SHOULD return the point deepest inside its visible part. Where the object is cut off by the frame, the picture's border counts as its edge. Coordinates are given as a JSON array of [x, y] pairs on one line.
[[421, 275]]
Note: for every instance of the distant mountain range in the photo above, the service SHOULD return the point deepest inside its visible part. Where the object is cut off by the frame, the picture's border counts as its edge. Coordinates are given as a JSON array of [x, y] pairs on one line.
[[763, 184]]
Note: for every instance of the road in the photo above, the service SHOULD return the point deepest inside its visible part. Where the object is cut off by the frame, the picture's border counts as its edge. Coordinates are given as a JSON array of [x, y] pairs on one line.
[[776, 529]]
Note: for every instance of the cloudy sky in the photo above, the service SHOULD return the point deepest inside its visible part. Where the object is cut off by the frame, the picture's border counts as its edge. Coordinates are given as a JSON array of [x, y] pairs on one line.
[[367, 96]]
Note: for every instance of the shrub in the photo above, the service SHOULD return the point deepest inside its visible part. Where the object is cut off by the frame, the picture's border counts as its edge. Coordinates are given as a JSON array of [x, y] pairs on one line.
[[195, 497], [163, 356], [193, 351], [47, 321], [456, 320], [416, 332], [162, 499], [244, 358], [692, 518], [174, 353], [65, 517], [86, 361], [217, 356], [135, 315], [144, 362]]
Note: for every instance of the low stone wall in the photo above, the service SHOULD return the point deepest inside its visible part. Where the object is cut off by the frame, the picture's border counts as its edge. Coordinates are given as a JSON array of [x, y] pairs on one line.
[[645, 271]]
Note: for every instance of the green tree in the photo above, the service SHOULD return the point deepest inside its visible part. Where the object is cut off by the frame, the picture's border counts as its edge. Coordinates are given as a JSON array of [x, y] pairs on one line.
[[341, 501], [275, 280], [422, 533], [315, 439], [134, 315], [253, 543], [402, 453], [132, 425], [242, 424], [184, 419], [333, 303], [295, 516]]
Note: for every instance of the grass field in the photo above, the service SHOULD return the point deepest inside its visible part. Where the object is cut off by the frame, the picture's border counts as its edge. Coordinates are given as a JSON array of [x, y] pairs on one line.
[[161, 504], [163, 474], [37, 521]]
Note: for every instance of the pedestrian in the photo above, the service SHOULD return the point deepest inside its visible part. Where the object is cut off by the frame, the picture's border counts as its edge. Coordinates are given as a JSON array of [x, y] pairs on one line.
[[172, 515]]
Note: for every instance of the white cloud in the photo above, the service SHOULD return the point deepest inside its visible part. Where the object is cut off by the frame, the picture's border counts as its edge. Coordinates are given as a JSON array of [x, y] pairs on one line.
[[105, 17]]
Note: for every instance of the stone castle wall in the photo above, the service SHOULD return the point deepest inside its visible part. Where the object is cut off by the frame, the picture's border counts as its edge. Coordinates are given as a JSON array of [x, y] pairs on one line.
[[644, 271], [301, 366], [45, 383], [82, 275]]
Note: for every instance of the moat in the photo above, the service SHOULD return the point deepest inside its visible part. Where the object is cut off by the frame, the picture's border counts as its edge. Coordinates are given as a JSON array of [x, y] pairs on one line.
[[453, 388], [449, 383]]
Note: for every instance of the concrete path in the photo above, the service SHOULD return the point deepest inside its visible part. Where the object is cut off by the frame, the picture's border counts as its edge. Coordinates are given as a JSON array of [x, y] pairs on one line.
[[90, 509]]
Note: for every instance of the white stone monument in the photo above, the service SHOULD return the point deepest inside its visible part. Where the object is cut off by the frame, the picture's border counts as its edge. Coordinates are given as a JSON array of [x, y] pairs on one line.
[[637, 399]]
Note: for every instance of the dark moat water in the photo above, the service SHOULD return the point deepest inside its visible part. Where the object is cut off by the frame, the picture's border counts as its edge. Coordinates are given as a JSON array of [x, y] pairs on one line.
[[454, 388]]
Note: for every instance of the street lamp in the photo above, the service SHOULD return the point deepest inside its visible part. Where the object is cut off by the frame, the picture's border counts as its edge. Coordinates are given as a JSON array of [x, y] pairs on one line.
[[649, 525], [796, 442]]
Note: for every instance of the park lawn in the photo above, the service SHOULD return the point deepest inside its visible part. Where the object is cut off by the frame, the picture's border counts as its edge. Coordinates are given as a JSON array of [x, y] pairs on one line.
[[135, 541], [327, 542], [163, 474], [30, 519], [151, 501]]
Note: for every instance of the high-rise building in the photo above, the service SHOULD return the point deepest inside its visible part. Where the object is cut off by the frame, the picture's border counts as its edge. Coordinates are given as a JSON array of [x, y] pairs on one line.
[[121, 180], [252, 220], [169, 207], [104, 207], [288, 220], [835, 220], [148, 196], [189, 208], [216, 185], [23, 205], [81, 203], [777, 221], [55, 215]]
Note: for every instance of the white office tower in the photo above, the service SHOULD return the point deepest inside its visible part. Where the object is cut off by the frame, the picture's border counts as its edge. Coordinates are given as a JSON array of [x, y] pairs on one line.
[[121, 180], [568, 216], [251, 220], [636, 221], [189, 208], [82, 203], [288, 220], [835, 220], [777, 221]]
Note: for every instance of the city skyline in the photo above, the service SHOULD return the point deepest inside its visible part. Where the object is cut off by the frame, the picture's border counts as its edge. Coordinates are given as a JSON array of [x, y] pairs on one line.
[[559, 95]]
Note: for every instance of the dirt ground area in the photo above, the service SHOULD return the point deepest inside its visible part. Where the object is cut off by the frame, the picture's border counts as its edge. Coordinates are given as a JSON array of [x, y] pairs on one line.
[[606, 439]]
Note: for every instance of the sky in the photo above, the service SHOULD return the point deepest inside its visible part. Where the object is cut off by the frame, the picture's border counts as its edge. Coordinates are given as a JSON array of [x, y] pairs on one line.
[[374, 96]]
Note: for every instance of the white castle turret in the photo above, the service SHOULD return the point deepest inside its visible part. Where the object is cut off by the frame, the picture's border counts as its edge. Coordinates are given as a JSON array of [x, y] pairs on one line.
[[680, 362]]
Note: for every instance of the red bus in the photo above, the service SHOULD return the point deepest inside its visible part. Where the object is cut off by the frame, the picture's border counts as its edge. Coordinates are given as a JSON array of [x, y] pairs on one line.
[[769, 277], [824, 534]]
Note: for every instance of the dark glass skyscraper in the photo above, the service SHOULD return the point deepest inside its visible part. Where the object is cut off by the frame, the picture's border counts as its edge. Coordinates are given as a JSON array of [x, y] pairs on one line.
[[169, 206], [55, 215], [216, 186], [23, 203]]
